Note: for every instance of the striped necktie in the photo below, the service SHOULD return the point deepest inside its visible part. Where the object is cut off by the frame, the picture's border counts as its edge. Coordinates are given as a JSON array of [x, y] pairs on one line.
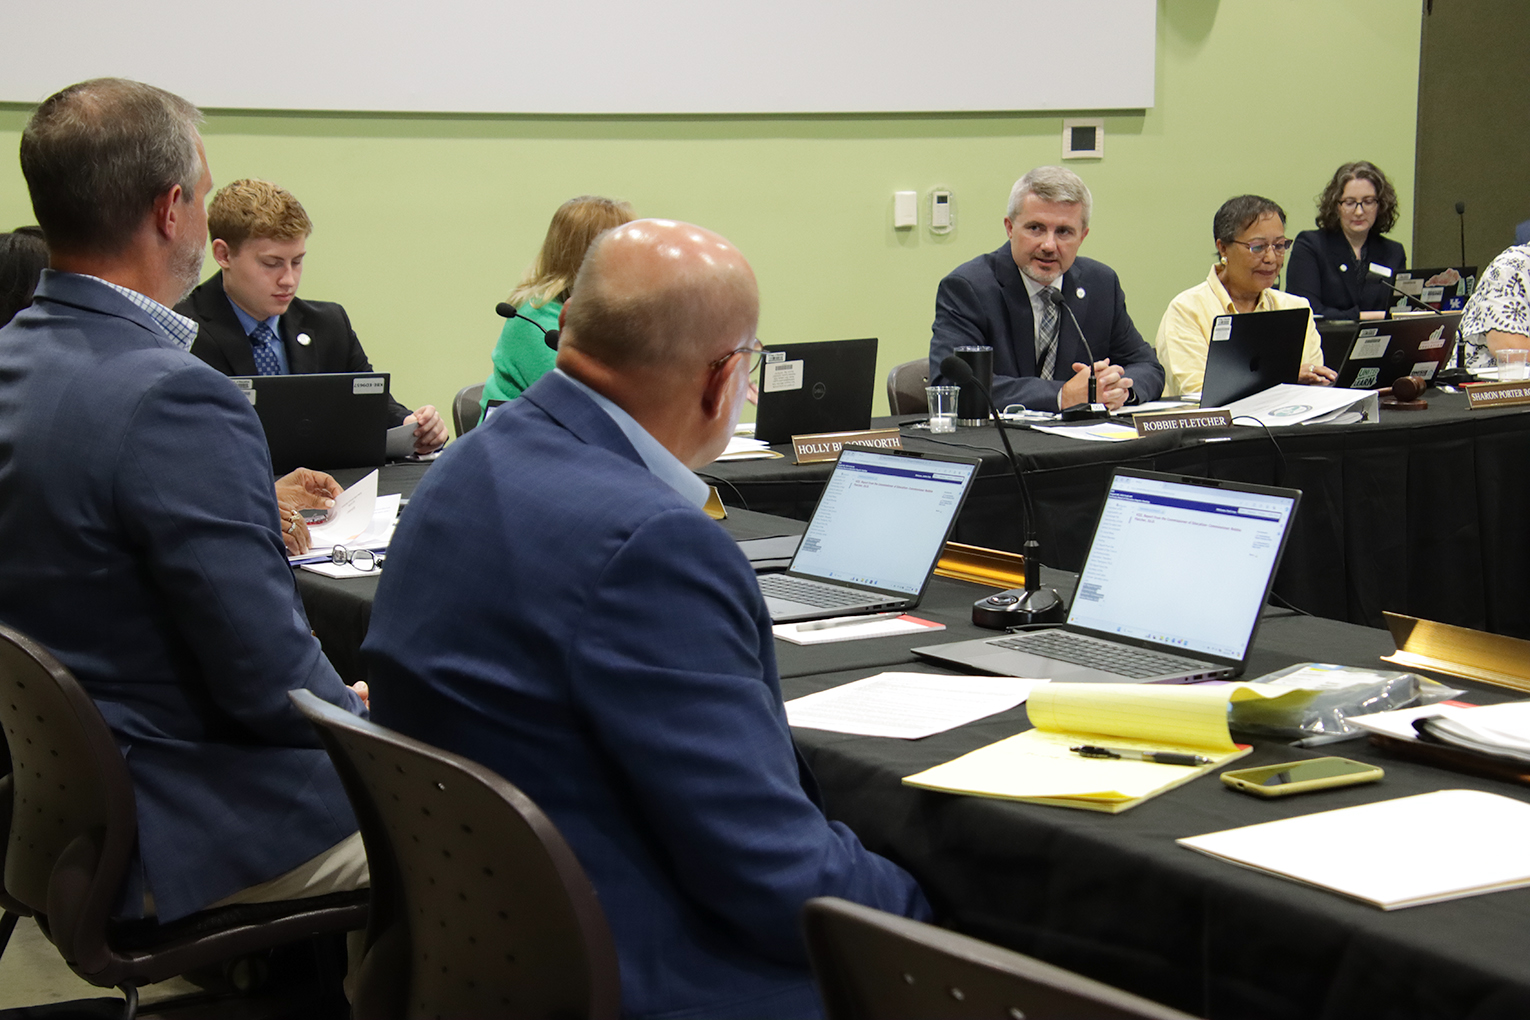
[[1046, 339], [264, 342]]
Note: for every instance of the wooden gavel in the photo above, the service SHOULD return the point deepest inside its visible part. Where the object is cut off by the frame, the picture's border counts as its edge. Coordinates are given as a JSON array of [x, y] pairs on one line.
[[1403, 394]]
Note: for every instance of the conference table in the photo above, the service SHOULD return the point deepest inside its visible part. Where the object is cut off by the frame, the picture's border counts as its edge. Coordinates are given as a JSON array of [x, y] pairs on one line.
[[1425, 513], [1113, 896]]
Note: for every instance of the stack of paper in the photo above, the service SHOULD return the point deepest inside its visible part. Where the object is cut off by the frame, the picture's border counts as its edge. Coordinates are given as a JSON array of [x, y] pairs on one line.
[[360, 519], [1038, 766], [1293, 404], [1395, 853], [745, 448]]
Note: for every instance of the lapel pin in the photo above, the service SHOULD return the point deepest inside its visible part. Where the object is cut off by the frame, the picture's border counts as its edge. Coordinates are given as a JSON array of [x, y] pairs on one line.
[[1079, 292], [1343, 268], [304, 339]]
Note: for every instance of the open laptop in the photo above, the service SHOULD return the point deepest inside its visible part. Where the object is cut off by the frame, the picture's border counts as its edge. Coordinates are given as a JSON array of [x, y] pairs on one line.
[[322, 420], [1384, 351], [1251, 352], [1178, 571], [1445, 288], [809, 388], [875, 535]]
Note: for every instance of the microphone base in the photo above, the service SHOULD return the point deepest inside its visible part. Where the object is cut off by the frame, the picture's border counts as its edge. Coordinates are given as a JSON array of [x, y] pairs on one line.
[[1016, 606], [1452, 377], [1085, 412]]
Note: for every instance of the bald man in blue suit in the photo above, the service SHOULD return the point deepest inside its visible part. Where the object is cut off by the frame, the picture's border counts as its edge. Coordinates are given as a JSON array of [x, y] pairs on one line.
[[557, 607]]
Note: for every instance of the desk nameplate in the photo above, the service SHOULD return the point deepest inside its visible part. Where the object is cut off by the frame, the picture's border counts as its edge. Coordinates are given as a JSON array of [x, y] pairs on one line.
[[1497, 394], [1173, 421], [825, 446], [1459, 651]]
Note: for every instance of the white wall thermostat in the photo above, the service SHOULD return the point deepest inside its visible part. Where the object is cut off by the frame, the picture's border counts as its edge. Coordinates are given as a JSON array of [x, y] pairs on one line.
[[942, 216], [1084, 138]]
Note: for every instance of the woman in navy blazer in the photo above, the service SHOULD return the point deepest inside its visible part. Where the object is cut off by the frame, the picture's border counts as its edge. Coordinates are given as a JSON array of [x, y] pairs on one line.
[[1328, 266]]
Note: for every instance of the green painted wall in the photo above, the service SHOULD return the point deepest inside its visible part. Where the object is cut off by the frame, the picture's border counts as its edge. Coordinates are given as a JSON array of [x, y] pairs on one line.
[[423, 223]]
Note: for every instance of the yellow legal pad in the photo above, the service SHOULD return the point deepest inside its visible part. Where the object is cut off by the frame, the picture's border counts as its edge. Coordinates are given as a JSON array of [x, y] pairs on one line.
[[1037, 766]]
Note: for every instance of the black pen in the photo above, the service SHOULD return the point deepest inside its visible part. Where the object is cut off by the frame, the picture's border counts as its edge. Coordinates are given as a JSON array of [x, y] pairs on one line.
[[1160, 757]]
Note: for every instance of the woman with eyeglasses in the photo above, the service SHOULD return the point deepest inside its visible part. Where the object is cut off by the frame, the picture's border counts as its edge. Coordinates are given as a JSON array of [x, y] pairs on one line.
[[1329, 265], [1250, 233]]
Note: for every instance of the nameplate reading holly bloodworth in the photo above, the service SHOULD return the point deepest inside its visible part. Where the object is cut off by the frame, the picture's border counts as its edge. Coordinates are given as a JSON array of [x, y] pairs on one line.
[[1497, 394], [822, 446], [1174, 421]]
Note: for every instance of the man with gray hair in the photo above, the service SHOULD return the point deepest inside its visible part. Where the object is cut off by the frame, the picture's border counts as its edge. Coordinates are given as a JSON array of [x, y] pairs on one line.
[[1050, 316], [615, 659], [142, 541]]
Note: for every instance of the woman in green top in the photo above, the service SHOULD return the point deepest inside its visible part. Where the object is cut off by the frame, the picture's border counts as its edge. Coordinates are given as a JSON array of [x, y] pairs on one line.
[[522, 356]]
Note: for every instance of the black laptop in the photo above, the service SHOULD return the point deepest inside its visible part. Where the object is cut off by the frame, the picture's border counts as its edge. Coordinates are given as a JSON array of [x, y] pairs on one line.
[[323, 420], [1178, 571], [1444, 288], [1384, 351], [875, 536], [807, 388], [1251, 352]]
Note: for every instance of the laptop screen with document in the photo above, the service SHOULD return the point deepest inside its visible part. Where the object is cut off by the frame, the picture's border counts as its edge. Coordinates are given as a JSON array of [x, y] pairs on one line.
[[1181, 564], [882, 520]]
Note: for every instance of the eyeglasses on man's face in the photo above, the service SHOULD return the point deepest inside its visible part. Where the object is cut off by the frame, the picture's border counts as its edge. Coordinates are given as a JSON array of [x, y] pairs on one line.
[[1350, 205], [1280, 246], [754, 352]]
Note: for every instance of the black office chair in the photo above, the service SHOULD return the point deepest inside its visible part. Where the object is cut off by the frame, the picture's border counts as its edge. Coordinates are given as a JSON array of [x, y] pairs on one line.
[[465, 409], [479, 906], [905, 387], [72, 824], [872, 965]]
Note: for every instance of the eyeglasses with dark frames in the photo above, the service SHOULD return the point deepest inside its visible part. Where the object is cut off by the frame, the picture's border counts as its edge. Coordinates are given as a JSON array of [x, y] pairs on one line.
[[1258, 248]]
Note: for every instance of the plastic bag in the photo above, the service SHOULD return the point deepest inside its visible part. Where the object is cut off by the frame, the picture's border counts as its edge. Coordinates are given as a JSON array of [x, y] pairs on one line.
[[1338, 694]]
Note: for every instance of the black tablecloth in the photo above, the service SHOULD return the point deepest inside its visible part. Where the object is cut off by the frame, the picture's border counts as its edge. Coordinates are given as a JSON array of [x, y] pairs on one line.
[[1113, 896], [1426, 513]]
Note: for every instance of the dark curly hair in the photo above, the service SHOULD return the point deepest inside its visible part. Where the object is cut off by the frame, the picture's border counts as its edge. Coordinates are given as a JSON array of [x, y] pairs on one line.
[[1386, 196]]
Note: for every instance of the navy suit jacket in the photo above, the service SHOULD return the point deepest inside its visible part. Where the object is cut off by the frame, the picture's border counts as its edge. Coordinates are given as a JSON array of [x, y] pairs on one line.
[[142, 548], [984, 303], [554, 611], [1323, 269], [223, 344]]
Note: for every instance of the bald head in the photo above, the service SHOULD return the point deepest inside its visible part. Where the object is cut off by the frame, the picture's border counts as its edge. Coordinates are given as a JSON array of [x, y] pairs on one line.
[[653, 293]]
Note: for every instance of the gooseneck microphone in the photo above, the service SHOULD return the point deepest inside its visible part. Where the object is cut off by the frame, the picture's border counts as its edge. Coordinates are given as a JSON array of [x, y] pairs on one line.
[[1384, 274], [1031, 604], [1461, 215], [508, 311], [1086, 410]]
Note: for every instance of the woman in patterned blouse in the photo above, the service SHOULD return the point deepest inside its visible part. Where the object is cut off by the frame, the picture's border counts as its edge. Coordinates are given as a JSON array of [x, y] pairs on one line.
[[1497, 317]]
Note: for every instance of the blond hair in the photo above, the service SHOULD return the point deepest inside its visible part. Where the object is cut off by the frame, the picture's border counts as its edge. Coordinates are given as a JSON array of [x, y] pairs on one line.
[[249, 208], [574, 228]]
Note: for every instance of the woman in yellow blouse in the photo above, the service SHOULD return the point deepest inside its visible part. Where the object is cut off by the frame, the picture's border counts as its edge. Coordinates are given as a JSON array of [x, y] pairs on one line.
[[1250, 233]]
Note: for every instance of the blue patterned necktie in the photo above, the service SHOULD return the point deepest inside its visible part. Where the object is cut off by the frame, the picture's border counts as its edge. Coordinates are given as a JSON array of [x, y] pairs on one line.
[[264, 342], [1046, 340]]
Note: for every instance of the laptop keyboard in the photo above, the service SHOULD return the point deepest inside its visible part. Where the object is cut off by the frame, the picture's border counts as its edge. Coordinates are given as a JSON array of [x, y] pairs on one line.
[[812, 593], [1103, 655]]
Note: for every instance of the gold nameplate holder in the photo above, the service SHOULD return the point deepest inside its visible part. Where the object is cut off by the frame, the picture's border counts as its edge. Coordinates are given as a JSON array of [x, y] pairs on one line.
[[1154, 422], [1496, 394], [825, 446], [1459, 651]]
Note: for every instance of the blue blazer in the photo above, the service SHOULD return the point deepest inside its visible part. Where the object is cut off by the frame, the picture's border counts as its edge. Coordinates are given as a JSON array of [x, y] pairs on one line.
[[984, 303], [553, 610], [141, 546], [1323, 269]]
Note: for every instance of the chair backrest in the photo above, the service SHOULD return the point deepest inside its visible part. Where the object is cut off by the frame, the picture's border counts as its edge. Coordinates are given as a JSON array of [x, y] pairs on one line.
[[480, 908], [465, 409], [74, 820], [905, 387], [872, 965]]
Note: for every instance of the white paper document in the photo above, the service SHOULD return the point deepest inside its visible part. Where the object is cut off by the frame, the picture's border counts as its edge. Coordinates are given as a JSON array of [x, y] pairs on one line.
[[1394, 853], [350, 516], [853, 629], [907, 705], [376, 534], [747, 448], [1099, 432], [1294, 404]]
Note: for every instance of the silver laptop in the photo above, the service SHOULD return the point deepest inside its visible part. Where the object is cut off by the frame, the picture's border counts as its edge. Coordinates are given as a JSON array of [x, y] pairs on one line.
[[875, 535], [1177, 574]]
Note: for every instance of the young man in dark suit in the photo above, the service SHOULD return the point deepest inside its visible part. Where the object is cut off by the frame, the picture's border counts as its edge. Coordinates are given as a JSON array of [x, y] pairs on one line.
[[252, 321], [143, 545], [1018, 300]]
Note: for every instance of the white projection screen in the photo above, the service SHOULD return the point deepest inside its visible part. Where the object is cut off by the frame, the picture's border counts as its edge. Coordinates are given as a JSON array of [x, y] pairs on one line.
[[599, 56]]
